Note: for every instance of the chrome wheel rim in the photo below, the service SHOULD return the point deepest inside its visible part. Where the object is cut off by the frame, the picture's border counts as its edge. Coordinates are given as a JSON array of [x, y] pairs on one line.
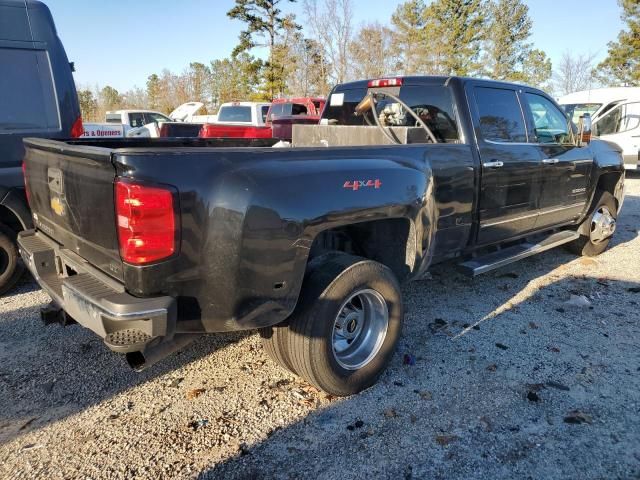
[[359, 329], [603, 224]]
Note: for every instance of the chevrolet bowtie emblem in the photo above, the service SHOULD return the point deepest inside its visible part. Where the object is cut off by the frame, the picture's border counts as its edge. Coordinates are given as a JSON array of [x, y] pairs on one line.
[[57, 206]]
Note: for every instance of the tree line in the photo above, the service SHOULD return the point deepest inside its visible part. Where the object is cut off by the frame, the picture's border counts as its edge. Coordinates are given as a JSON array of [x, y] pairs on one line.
[[306, 56]]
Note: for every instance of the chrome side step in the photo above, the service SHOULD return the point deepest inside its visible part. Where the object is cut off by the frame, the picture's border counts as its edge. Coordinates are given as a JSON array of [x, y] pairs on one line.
[[491, 261]]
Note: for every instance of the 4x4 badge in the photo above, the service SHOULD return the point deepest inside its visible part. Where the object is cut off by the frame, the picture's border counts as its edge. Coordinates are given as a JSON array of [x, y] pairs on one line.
[[358, 184]]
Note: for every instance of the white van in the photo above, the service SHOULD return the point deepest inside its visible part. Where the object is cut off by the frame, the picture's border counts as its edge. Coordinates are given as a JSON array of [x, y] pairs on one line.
[[616, 117]]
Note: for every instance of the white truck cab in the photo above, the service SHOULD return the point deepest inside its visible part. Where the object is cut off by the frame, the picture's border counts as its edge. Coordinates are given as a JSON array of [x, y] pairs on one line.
[[616, 117], [139, 123], [243, 113]]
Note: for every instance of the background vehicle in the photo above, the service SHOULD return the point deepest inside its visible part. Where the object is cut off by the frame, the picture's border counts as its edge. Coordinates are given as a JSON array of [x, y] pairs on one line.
[[285, 112], [239, 120], [309, 243], [38, 100], [616, 117], [140, 123]]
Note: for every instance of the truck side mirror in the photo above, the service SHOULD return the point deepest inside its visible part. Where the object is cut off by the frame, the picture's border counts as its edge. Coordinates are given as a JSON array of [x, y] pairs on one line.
[[584, 128]]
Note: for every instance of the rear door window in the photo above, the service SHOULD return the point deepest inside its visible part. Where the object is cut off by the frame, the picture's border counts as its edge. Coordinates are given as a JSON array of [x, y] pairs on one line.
[[235, 113], [27, 95], [501, 118]]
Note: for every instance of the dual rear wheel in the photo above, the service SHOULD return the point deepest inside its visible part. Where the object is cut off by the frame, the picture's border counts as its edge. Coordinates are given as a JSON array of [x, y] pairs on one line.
[[345, 327]]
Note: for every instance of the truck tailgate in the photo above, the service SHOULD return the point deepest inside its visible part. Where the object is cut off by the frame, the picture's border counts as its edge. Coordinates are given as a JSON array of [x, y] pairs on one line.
[[71, 196]]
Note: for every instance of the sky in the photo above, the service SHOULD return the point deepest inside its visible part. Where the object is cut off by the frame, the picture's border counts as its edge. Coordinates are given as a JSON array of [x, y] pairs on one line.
[[121, 42]]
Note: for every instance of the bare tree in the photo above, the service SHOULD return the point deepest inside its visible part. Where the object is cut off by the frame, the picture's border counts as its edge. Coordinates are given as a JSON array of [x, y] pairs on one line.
[[574, 73], [373, 53], [330, 24]]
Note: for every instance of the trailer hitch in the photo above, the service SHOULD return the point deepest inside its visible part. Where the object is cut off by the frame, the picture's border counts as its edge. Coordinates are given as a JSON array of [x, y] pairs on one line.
[[52, 313]]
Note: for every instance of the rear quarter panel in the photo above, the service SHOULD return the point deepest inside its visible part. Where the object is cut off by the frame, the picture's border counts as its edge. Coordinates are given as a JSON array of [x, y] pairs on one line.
[[250, 217]]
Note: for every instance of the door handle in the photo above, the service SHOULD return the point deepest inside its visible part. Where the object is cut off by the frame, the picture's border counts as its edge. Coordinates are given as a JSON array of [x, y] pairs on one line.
[[550, 161], [494, 164]]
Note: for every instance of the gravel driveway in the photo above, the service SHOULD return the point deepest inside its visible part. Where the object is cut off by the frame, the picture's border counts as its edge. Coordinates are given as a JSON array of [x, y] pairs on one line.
[[532, 371]]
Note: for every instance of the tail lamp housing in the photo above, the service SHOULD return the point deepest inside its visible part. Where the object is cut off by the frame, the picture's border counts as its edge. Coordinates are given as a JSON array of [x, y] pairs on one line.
[[77, 129], [147, 221]]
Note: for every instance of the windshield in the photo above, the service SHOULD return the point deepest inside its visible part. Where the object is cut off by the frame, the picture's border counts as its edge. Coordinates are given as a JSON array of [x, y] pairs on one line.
[[432, 103], [575, 110], [235, 113]]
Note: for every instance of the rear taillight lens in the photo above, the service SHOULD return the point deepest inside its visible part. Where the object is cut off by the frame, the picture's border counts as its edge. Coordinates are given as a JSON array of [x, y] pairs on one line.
[[77, 129], [146, 222], [164, 130], [26, 188]]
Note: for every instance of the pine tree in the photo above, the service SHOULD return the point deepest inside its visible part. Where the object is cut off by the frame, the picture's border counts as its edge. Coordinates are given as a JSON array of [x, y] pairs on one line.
[[454, 32], [264, 20], [154, 91], [88, 105], [622, 64], [409, 36], [509, 55]]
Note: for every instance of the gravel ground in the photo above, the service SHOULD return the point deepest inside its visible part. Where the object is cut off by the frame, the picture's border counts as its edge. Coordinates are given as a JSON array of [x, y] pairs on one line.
[[497, 377]]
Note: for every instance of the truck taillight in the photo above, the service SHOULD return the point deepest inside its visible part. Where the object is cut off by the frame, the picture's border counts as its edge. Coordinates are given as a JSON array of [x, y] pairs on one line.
[[26, 188], [77, 129], [146, 222], [164, 130], [385, 82]]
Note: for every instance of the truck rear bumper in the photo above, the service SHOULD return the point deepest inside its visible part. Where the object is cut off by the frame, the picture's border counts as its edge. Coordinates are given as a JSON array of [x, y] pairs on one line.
[[94, 300]]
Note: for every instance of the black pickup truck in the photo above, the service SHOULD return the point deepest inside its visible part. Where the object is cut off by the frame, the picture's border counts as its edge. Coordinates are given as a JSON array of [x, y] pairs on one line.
[[150, 243]]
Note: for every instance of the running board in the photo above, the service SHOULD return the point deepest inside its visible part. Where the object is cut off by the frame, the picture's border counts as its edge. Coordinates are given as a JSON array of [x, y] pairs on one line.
[[491, 261]]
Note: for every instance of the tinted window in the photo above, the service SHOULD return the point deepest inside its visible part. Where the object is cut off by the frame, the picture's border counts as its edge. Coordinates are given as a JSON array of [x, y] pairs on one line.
[[265, 110], [623, 118], [501, 118], [280, 109], [432, 103], [549, 122], [136, 119], [235, 113], [297, 109], [27, 96]]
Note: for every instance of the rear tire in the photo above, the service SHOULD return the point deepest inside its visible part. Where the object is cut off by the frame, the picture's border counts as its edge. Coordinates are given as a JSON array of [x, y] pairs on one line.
[[345, 328], [598, 223], [11, 267], [275, 342]]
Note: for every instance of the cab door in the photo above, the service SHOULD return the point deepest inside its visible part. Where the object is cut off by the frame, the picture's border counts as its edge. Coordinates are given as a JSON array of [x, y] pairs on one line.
[[509, 181], [565, 168]]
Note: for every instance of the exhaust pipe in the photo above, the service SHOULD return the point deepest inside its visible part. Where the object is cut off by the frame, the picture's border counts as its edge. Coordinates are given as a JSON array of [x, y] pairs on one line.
[[140, 361]]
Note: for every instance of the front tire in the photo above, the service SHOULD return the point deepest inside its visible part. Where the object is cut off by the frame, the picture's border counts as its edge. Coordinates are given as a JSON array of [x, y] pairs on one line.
[[345, 329], [11, 268], [600, 225]]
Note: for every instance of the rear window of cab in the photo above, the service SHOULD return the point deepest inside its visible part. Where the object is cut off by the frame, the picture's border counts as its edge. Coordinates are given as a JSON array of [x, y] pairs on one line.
[[432, 103]]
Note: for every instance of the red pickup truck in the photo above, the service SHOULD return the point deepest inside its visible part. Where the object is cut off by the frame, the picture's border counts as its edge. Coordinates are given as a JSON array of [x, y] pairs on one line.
[[284, 112], [239, 120]]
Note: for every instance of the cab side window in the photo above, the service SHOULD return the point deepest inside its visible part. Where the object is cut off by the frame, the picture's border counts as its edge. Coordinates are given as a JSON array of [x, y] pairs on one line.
[[549, 123], [501, 118], [621, 119], [136, 120]]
